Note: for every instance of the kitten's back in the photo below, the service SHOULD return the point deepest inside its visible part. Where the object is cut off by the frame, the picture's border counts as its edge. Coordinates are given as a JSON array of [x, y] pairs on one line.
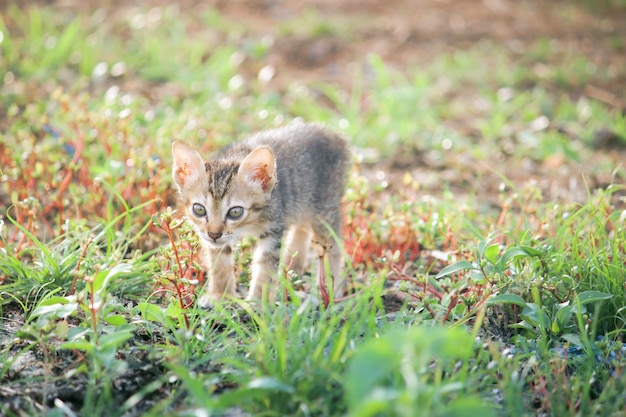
[[312, 164]]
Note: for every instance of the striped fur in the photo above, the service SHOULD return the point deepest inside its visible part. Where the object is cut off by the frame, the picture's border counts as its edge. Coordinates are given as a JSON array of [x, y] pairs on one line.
[[284, 180]]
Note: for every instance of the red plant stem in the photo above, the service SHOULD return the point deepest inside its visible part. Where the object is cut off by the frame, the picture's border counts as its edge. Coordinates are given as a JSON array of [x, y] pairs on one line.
[[19, 219], [181, 296], [500, 221], [80, 144], [63, 186], [430, 310], [450, 239], [28, 227], [170, 235], [82, 256], [30, 182], [425, 286], [321, 278], [453, 302]]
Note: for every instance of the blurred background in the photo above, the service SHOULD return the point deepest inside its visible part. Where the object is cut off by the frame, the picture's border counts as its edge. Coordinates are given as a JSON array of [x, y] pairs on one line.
[[531, 89]]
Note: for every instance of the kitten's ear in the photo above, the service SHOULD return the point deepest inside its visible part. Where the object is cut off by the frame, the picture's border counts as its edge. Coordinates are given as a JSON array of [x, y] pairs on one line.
[[188, 164], [259, 167]]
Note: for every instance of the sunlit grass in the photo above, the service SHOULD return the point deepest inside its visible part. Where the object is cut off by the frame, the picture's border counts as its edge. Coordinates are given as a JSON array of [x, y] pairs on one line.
[[489, 290]]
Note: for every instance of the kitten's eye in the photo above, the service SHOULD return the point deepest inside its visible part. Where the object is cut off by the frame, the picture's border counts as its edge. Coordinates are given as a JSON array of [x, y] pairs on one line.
[[235, 212], [198, 210]]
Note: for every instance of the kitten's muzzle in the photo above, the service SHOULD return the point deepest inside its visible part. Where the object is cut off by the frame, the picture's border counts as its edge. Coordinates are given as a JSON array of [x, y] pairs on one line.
[[215, 235]]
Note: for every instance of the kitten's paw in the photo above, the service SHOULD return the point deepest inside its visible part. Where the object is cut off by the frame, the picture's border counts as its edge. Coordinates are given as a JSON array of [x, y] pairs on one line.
[[339, 292], [207, 302], [253, 300]]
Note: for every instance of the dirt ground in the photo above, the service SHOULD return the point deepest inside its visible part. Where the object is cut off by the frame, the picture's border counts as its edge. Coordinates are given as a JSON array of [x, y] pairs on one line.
[[406, 33]]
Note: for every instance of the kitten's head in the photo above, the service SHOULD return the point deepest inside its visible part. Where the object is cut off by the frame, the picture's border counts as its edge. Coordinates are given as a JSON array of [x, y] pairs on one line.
[[224, 198]]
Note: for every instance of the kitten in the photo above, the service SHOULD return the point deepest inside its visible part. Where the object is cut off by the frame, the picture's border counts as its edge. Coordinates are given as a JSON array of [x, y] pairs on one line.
[[289, 180]]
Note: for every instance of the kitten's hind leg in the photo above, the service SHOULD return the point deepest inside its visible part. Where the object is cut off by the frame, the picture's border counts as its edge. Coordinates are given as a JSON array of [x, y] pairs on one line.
[[297, 246], [332, 247], [264, 268], [335, 262], [221, 276]]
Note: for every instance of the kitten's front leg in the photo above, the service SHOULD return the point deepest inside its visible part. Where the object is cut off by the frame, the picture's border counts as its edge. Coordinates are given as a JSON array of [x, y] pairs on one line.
[[264, 269], [221, 276], [297, 243]]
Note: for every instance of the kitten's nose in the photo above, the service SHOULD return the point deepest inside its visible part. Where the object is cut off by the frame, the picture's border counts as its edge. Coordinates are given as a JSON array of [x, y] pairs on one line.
[[215, 235]]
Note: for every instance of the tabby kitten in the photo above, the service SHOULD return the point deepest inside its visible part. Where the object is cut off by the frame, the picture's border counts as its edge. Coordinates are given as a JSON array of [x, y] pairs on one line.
[[283, 181]]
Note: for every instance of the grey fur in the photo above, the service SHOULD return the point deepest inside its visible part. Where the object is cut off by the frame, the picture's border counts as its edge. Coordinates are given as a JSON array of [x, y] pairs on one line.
[[311, 164], [311, 170]]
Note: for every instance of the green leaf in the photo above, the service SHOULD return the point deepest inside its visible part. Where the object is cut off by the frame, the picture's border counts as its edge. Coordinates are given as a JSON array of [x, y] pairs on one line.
[[514, 252], [53, 312], [491, 253], [106, 355], [174, 310], [151, 312], [506, 299], [270, 384], [362, 376], [78, 333], [573, 339], [378, 360], [102, 278], [535, 316], [456, 267], [477, 277], [115, 339], [592, 297], [380, 402], [469, 406], [522, 325], [116, 320], [563, 317], [258, 388], [82, 345], [56, 300], [238, 397], [555, 327], [531, 251]]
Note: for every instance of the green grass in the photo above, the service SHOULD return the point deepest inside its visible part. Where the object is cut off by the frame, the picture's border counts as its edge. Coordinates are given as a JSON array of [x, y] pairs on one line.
[[499, 274]]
